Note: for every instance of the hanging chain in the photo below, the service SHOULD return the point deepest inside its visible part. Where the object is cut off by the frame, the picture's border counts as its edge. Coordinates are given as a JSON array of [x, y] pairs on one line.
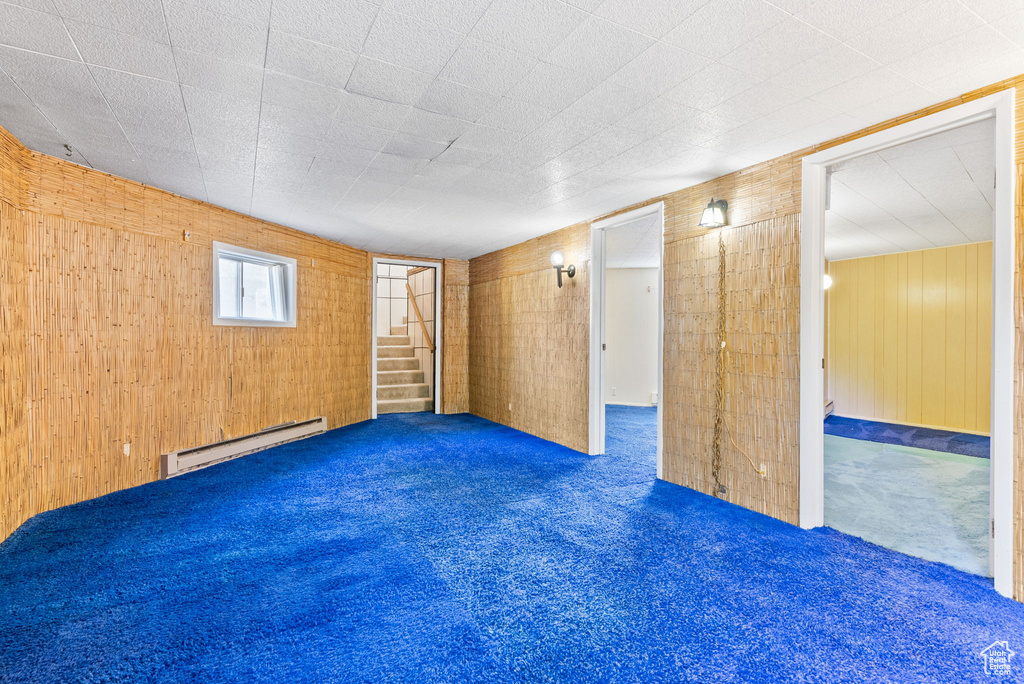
[[716, 444]]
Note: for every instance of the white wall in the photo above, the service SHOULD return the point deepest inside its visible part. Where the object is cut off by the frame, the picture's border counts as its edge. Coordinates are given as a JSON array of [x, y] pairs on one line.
[[631, 333]]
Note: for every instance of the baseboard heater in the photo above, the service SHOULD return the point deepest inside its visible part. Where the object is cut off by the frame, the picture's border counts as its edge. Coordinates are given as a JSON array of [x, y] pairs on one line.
[[178, 462]]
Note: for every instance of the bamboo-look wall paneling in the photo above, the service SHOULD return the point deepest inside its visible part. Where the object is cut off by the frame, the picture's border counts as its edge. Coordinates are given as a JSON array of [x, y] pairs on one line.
[[106, 285], [455, 349], [911, 337], [529, 340], [15, 468]]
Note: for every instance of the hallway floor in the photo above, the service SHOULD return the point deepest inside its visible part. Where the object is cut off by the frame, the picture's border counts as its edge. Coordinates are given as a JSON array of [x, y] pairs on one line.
[[424, 548]]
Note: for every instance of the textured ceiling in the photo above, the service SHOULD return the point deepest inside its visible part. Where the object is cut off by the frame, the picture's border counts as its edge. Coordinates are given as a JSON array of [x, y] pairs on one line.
[[455, 127], [636, 244], [934, 192]]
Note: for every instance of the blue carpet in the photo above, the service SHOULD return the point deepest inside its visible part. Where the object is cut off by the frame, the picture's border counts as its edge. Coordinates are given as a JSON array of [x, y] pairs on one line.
[[908, 435], [422, 548]]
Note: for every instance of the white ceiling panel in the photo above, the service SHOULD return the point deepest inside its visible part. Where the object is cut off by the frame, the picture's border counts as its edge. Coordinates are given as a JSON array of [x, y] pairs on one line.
[[378, 121], [931, 192]]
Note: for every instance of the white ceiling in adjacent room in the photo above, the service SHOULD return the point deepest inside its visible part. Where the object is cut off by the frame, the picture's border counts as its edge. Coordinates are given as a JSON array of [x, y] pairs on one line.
[[934, 192], [456, 127], [636, 244]]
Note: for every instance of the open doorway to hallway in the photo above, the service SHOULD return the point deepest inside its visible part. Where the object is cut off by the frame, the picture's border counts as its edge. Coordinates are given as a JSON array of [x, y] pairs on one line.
[[908, 346], [626, 334], [406, 371]]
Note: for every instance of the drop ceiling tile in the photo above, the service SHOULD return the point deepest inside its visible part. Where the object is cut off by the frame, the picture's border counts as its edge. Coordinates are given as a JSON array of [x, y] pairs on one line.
[[306, 96], [304, 59], [487, 67], [388, 82], [38, 5], [720, 26], [226, 117], [277, 164], [251, 11], [660, 68], [370, 111], [533, 27], [832, 67], [226, 156], [896, 105], [933, 21], [657, 117], [608, 103], [123, 51], [148, 109], [218, 75], [409, 42], [417, 148], [197, 30], [282, 120], [143, 18], [711, 87], [993, 71], [338, 23], [516, 116], [485, 139], [435, 127], [458, 15], [54, 85], [36, 31], [781, 47], [757, 102], [654, 18], [552, 86], [356, 135], [465, 156], [330, 170], [844, 19], [963, 51], [455, 100], [600, 48], [797, 116]]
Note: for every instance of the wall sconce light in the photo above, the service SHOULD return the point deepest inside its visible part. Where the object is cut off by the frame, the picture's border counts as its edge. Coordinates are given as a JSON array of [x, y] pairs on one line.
[[828, 281], [557, 259], [714, 214]]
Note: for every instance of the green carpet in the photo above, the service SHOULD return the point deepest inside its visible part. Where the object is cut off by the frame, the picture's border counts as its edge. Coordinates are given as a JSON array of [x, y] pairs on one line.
[[923, 503]]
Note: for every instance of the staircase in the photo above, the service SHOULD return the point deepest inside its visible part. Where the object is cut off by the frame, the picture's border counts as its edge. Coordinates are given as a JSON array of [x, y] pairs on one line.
[[400, 385]]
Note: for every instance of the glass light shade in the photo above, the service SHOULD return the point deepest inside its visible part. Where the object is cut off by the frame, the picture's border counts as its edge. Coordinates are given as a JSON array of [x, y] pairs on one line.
[[714, 214], [557, 259], [828, 281]]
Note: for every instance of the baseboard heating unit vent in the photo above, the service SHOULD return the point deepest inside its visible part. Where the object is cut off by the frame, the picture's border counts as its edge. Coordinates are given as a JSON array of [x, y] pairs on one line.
[[178, 462]]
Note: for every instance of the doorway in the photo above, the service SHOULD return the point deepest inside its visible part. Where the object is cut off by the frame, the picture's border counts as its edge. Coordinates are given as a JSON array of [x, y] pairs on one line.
[[627, 330], [928, 472], [406, 344]]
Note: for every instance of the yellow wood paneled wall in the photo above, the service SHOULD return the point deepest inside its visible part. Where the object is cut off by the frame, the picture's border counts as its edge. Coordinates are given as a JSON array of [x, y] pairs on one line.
[[910, 337], [764, 207], [455, 322], [529, 340], [107, 335]]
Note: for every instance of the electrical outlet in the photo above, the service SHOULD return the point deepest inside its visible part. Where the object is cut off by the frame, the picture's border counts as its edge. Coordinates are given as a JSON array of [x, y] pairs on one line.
[[763, 471], [127, 449], [613, 391], [510, 407], [185, 235], [722, 489]]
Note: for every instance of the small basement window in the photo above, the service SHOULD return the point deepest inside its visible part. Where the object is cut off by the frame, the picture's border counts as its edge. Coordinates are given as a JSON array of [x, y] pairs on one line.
[[252, 288]]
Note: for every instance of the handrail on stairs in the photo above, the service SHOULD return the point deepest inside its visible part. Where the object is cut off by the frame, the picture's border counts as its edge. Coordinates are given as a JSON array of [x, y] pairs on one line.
[[419, 317]]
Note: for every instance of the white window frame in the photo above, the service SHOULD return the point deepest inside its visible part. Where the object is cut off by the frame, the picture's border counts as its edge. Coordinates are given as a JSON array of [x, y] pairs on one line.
[[290, 286]]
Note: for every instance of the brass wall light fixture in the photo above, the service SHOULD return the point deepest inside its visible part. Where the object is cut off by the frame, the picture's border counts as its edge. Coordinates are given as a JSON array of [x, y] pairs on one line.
[[557, 259], [714, 214]]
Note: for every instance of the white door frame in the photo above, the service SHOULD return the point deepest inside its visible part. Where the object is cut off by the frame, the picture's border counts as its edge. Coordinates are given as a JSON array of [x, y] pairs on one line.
[[437, 328], [812, 319], [598, 259]]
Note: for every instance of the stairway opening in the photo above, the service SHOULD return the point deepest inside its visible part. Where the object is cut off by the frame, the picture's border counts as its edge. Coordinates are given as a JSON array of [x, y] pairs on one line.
[[405, 344]]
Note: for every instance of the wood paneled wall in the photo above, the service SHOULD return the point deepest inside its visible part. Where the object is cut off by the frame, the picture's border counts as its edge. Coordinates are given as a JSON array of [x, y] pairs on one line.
[[764, 208], [107, 335], [529, 340], [455, 322], [911, 337]]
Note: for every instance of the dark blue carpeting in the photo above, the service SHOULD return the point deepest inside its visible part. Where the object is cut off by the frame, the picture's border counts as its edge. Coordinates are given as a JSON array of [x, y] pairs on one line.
[[908, 435], [420, 548]]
